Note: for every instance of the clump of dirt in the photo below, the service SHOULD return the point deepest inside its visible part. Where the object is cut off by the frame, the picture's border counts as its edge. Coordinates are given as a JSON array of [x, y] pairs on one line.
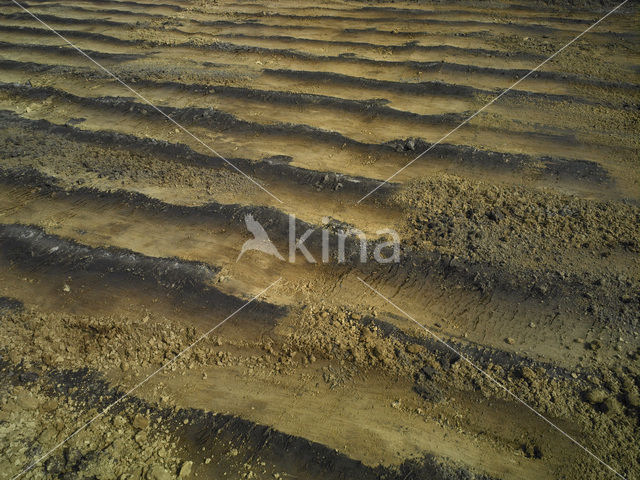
[[338, 333], [33, 421], [345, 340], [518, 228], [132, 344], [34, 418], [341, 335]]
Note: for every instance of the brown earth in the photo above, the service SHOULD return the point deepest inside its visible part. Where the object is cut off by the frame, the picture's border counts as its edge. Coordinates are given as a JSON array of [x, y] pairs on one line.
[[120, 235]]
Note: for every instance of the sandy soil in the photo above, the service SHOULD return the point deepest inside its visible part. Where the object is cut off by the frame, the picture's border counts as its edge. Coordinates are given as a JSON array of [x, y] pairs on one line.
[[120, 234]]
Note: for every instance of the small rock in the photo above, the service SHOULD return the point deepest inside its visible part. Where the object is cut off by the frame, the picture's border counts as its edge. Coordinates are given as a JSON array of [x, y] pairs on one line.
[[632, 398], [48, 436], [528, 374], [596, 396], [185, 469], [141, 438], [140, 421], [27, 401], [50, 405], [510, 340], [612, 406], [119, 421], [157, 472]]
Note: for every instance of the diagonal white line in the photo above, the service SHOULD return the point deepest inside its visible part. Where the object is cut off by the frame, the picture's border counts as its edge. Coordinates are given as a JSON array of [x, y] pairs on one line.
[[106, 409], [491, 378], [464, 122], [139, 95]]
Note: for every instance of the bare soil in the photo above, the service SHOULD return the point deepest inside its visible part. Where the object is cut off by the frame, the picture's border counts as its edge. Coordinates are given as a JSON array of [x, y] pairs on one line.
[[120, 237]]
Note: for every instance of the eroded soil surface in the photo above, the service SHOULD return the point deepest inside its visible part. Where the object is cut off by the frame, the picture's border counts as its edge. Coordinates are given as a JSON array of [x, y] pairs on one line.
[[120, 236]]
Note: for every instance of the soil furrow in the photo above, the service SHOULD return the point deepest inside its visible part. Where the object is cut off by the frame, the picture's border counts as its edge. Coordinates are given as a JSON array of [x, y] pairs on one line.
[[132, 250]]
